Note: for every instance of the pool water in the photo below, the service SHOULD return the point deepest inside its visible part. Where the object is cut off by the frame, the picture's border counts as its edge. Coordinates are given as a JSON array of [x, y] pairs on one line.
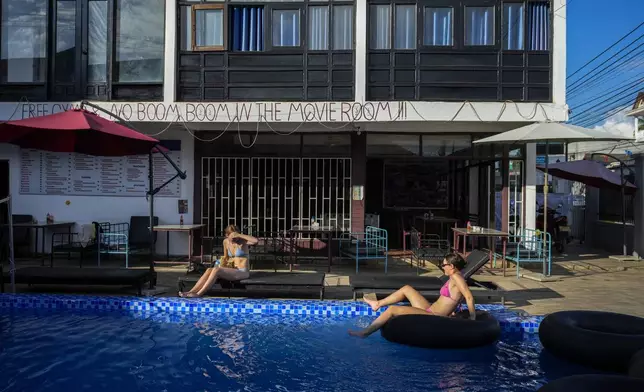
[[78, 350]]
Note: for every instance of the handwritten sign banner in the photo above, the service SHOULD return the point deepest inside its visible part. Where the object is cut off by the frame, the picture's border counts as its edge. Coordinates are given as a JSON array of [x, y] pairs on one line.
[[237, 111]]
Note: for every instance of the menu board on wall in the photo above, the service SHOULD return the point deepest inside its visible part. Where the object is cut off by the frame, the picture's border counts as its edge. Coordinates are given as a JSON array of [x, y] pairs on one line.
[[53, 173], [422, 185]]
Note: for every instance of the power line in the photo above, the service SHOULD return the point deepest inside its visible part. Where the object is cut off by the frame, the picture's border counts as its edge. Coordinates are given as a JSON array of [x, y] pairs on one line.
[[607, 67], [605, 50], [621, 91], [608, 104], [633, 64], [606, 110], [616, 107], [603, 93], [581, 81]]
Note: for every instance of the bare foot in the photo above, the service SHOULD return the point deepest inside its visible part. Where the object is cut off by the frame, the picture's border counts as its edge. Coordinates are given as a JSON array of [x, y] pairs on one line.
[[182, 294], [358, 334], [374, 304], [192, 295]]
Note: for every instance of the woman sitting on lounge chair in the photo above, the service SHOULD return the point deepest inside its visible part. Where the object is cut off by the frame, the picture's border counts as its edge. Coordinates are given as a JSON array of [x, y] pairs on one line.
[[454, 290], [234, 263]]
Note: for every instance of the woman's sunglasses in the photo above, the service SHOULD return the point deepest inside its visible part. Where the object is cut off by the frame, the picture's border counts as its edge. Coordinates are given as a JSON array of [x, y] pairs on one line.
[[445, 265]]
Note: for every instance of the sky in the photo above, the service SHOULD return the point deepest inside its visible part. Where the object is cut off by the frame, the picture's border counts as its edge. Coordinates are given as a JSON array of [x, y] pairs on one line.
[[592, 26]]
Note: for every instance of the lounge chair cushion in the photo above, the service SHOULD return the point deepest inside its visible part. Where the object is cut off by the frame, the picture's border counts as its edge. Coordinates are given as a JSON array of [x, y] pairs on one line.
[[80, 276], [271, 279]]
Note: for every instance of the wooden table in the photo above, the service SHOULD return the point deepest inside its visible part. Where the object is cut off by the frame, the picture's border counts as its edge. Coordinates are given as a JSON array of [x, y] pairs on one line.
[[190, 229], [328, 231], [44, 226], [464, 232]]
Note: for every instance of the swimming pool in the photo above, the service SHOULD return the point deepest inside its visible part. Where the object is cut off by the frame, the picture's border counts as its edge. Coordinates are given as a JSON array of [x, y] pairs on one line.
[[74, 343]]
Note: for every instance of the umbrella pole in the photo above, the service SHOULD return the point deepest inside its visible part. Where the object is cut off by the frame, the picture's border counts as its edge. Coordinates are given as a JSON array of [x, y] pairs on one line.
[[151, 199], [621, 172], [545, 212], [12, 262]]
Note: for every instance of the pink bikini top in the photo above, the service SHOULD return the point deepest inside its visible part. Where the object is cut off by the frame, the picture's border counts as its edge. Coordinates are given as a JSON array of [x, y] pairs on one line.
[[445, 292]]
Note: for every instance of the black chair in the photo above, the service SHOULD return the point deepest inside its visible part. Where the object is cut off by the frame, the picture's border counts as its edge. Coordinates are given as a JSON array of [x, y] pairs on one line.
[[22, 235], [139, 234]]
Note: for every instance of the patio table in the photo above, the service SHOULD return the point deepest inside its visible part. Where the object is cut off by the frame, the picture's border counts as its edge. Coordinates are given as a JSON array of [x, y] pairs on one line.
[[484, 232]]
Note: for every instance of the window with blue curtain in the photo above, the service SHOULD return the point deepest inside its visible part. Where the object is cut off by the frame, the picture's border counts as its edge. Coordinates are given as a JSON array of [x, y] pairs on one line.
[[438, 26], [513, 26], [405, 27], [538, 26], [479, 26], [247, 28], [286, 28]]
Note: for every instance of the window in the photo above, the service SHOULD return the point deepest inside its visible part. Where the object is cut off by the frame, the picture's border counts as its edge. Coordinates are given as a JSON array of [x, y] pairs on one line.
[[286, 28], [445, 145], [438, 29], [538, 26], [405, 31], [140, 29], [65, 60], [396, 145], [23, 47], [380, 27], [343, 27], [97, 41], [208, 32], [185, 31], [479, 26], [513, 22], [318, 28], [247, 28]]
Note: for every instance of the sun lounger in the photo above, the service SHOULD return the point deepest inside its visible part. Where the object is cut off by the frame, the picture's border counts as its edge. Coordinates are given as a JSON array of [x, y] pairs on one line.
[[81, 276], [259, 280], [429, 285]]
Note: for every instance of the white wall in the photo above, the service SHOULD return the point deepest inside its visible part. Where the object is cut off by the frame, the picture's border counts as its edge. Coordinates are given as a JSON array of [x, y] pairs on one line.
[[530, 186], [85, 209], [361, 39], [559, 53]]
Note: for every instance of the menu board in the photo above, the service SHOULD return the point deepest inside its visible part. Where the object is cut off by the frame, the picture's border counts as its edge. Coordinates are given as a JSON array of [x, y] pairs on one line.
[[53, 173], [422, 185]]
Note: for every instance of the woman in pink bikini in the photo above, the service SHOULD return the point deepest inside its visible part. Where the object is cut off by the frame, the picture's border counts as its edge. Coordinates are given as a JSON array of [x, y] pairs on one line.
[[454, 290]]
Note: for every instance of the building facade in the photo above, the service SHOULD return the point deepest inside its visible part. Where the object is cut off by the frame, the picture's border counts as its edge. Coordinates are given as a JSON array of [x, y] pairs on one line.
[[289, 110]]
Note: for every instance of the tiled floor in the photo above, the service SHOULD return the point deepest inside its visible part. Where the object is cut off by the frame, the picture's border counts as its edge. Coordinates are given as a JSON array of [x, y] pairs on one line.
[[586, 281]]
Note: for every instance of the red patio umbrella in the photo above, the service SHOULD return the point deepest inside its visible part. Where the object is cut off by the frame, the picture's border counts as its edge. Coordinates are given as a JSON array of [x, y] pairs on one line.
[[81, 131], [76, 130]]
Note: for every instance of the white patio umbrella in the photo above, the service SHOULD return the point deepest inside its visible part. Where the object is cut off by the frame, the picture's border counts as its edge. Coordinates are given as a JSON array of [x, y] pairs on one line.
[[551, 132]]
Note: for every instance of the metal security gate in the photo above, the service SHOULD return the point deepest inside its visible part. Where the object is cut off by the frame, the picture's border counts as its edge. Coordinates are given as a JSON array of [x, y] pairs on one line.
[[326, 192], [275, 201], [261, 195], [225, 191]]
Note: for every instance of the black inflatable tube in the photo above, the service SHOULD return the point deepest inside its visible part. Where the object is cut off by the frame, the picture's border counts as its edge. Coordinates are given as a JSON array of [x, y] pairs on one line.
[[602, 340], [443, 332], [594, 383], [636, 367]]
